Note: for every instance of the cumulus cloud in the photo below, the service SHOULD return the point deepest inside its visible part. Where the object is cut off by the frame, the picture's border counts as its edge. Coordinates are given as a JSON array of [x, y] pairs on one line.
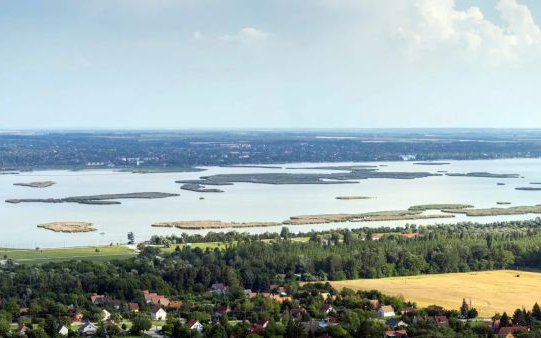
[[439, 27], [248, 35]]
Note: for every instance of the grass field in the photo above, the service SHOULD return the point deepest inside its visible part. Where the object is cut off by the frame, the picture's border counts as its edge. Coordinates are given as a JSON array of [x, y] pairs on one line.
[[220, 245], [32, 256], [490, 291]]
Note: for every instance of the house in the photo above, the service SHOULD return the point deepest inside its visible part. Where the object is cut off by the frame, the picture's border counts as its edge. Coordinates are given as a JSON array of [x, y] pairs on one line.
[[510, 331], [175, 304], [375, 303], [396, 334], [222, 310], [22, 329], [62, 330], [386, 311], [297, 312], [193, 324], [326, 308], [439, 320], [278, 298], [395, 323], [97, 299], [157, 313], [375, 237], [77, 316], [256, 329], [155, 299], [259, 326], [219, 289], [263, 323], [133, 307], [408, 311], [87, 329], [331, 321], [249, 293], [105, 315]]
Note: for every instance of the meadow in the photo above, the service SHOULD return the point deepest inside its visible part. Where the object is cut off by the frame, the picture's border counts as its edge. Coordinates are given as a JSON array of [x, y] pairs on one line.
[[40, 256]]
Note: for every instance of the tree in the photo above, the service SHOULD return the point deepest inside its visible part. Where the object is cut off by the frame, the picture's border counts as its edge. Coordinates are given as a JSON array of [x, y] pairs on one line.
[[504, 321], [464, 308], [140, 323], [4, 328], [536, 311]]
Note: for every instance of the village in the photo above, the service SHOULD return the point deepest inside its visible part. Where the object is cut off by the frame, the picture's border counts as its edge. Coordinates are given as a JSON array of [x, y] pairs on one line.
[[316, 310]]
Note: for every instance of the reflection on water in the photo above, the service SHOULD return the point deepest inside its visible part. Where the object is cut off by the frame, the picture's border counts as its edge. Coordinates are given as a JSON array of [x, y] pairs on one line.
[[245, 201]]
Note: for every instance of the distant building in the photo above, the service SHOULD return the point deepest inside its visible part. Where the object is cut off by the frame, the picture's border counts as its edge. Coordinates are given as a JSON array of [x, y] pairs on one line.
[[157, 313], [386, 311], [193, 324]]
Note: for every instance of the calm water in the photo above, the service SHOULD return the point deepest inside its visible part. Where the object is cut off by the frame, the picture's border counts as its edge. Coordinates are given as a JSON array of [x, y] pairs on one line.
[[245, 202]]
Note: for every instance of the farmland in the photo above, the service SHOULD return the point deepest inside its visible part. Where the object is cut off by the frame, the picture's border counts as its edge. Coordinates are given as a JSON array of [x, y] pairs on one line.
[[490, 291]]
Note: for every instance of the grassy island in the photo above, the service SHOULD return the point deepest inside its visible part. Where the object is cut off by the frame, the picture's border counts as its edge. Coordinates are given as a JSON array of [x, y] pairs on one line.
[[95, 199], [484, 174], [425, 207], [212, 224], [519, 210], [69, 227], [353, 197], [44, 184]]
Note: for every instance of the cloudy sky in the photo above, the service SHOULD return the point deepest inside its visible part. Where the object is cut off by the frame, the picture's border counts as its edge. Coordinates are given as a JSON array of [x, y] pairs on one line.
[[270, 64]]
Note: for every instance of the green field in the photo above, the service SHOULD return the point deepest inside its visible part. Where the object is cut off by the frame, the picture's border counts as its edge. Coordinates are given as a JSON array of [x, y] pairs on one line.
[[219, 245], [104, 253], [33, 256]]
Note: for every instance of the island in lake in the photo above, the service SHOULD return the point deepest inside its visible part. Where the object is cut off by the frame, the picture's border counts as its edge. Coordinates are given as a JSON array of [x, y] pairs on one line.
[[519, 210], [484, 174], [356, 173], [68, 227], [43, 184], [353, 197], [432, 163], [107, 199], [198, 188], [212, 224]]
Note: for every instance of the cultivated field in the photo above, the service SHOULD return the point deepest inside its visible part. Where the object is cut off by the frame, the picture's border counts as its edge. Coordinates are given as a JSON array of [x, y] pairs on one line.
[[490, 291]]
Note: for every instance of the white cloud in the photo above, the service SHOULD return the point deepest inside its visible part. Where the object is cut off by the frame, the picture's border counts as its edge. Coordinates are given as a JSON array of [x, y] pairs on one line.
[[248, 35], [196, 35], [439, 28]]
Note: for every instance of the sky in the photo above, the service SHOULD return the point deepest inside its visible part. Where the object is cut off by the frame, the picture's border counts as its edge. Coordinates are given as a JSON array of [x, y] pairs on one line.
[[181, 64]]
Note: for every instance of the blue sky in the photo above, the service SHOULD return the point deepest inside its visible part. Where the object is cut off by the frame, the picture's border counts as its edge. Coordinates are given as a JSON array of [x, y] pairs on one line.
[[269, 64]]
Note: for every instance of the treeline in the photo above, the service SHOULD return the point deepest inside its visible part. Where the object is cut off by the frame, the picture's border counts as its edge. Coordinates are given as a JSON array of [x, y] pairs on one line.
[[188, 149]]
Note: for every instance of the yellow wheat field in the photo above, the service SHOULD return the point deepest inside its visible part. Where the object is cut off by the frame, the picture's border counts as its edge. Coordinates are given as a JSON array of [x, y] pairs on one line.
[[489, 291]]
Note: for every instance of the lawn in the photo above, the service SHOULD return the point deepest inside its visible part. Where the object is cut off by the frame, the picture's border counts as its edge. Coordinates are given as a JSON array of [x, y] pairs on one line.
[[489, 291], [33, 256]]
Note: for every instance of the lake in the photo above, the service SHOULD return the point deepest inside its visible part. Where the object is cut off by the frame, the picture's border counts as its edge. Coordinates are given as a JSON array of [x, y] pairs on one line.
[[246, 201]]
